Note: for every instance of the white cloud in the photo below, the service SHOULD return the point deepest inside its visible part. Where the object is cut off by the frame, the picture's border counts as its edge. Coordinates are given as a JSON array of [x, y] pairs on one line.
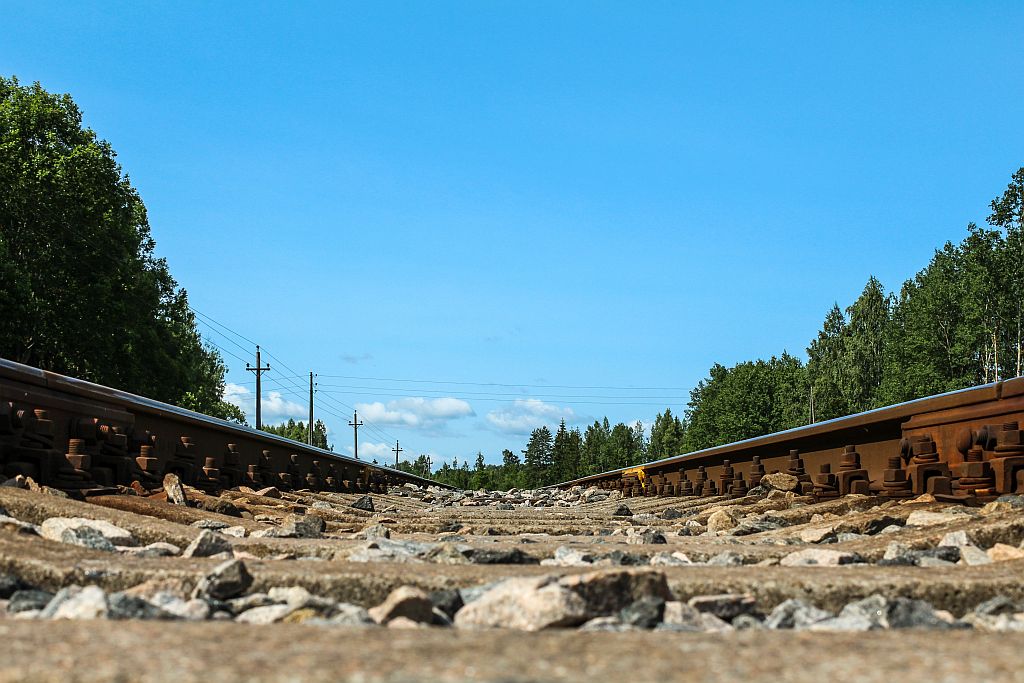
[[275, 407], [415, 412], [369, 451], [526, 414]]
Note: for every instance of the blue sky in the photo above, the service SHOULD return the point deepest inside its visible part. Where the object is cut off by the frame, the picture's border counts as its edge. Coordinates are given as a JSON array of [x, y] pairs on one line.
[[543, 196]]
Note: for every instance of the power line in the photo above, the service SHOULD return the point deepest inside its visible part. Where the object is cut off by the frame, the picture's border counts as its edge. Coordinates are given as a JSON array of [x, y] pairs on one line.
[[498, 384]]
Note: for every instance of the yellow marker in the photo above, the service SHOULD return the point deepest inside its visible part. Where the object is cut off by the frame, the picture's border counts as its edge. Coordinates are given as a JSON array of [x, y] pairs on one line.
[[640, 475]]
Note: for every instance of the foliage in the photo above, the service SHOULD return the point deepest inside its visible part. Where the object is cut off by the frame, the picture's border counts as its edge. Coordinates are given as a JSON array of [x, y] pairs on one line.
[[83, 292], [298, 431]]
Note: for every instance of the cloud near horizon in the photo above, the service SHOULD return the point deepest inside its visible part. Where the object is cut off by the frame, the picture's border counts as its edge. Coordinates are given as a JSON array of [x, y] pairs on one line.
[[275, 407], [526, 414], [415, 412]]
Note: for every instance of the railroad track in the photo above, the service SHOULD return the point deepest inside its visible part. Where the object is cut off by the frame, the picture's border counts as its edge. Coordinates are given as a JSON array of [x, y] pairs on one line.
[[85, 439], [626, 576], [965, 446]]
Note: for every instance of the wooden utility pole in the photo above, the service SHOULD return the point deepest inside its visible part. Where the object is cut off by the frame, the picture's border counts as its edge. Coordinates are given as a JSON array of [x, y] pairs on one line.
[[396, 450], [259, 395], [310, 408], [355, 424]]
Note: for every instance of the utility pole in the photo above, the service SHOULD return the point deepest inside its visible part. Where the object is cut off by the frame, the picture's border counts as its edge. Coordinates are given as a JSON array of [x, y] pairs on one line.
[[355, 424], [428, 466], [396, 450], [311, 408], [259, 370]]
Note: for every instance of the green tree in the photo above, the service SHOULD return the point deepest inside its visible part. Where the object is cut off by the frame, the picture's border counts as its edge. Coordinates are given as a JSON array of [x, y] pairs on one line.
[[538, 457], [83, 291], [667, 434], [297, 431]]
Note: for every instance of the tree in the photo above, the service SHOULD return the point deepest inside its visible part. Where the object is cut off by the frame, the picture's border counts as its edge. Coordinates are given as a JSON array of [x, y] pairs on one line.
[[666, 435], [297, 431], [538, 457], [83, 291]]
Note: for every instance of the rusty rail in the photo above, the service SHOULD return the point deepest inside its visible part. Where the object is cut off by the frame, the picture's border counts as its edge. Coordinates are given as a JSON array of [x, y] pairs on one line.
[[85, 438], [961, 446]]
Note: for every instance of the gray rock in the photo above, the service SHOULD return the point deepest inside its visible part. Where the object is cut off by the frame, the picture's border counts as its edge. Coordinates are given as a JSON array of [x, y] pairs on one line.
[[174, 490], [1016, 501], [607, 624], [206, 544], [28, 599], [158, 549], [956, 539], [364, 503], [346, 614], [123, 606], [928, 518], [795, 614], [606, 592], [229, 579], [247, 602], [300, 598], [265, 615], [726, 558], [846, 537], [622, 511], [999, 605], [647, 536], [191, 610], [372, 531], [819, 557], [86, 537], [844, 623], [670, 513], [303, 526], [880, 612], [234, 531], [571, 557], [499, 556], [528, 604], [747, 622], [663, 559], [972, 555], [212, 524], [87, 603], [55, 528], [818, 535], [447, 601], [725, 606], [405, 601], [647, 612], [678, 616], [9, 583]]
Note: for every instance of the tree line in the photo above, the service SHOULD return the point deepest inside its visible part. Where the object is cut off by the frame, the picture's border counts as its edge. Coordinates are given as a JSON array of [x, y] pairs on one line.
[[959, 322]]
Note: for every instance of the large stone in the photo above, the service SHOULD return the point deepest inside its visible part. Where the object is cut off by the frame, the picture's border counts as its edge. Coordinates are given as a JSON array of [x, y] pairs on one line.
[[87, 603], [721, 520], [780, 481], [956, 539], [928, 518], [644, 613], [606, 592], [269, 492], [364, 503], [1001, 552], [265, 615], [87, 537], [678, 616], [825, 557], [404, 601], [228, 579], [206, 544], [122, 606], [972, 555], [372, 531], [54, 529], [28, 599], [622, 511], [824, 534], [528, 604], [795, 614], [569, 557], [303, 526], [174, 490], [725, 606]]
